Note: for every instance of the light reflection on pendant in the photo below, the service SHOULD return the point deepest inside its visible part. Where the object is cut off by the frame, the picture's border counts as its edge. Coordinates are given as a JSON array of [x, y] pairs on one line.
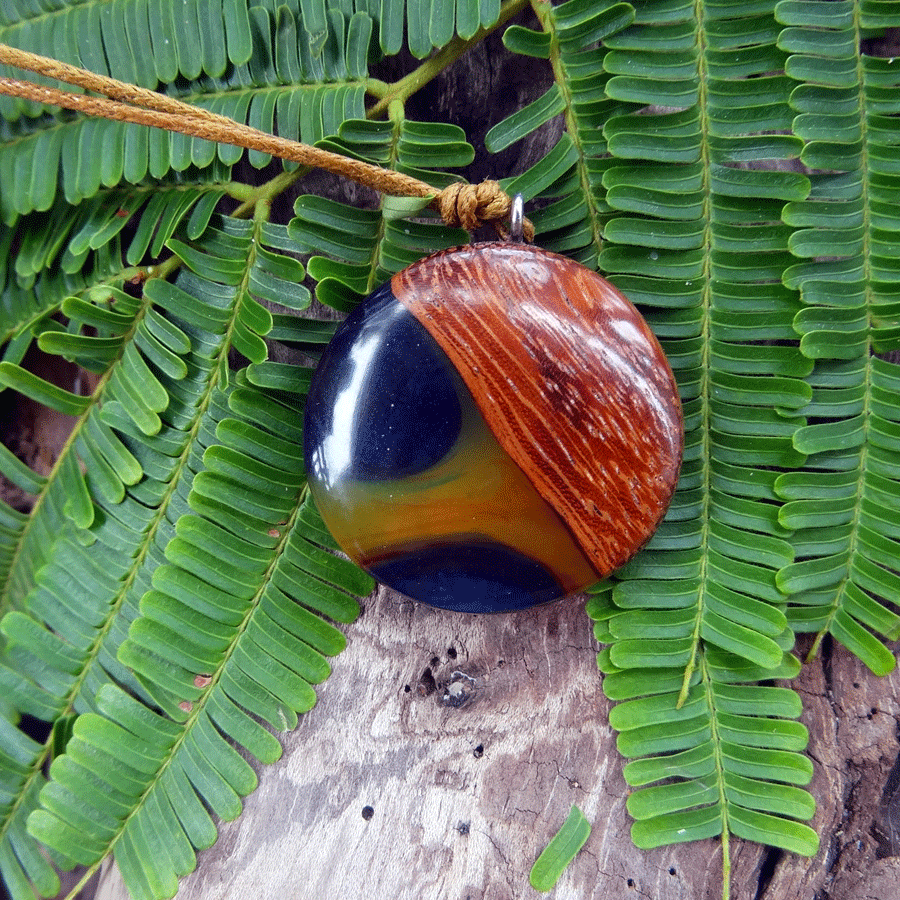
[[493, 428]]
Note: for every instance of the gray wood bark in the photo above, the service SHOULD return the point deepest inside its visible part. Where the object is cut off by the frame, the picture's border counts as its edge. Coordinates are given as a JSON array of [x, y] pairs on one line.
[[446, 750]]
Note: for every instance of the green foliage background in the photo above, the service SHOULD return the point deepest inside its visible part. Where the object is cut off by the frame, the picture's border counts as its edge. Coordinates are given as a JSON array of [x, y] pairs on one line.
[[732, 165]]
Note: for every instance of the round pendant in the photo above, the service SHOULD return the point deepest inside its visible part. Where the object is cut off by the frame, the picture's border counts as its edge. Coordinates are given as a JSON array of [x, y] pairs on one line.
[[495, 427]]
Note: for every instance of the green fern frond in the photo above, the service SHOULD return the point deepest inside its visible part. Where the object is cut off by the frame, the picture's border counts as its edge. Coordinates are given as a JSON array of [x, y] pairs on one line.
[[694, 240], [265, 77], [844, 582], [365, 247], [134, 439], [572, 173], [216, 644], [148, 464], [728, 760], [83, 255], [205, 39]]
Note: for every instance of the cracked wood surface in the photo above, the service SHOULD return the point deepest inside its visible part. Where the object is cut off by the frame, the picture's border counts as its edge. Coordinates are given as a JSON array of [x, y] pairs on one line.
[[469, 738]]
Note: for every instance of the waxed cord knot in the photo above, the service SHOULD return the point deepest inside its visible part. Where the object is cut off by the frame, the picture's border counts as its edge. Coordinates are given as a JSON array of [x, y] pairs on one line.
[[469, 206]]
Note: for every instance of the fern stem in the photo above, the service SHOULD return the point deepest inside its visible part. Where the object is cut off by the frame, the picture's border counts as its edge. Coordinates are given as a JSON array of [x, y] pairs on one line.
[[705, 387], [80, 885], [726, 865], [820, 636], [544, 12], [250, 197], [866, 278], [688, 672], [719, 776], [433, 66], [378, 89]]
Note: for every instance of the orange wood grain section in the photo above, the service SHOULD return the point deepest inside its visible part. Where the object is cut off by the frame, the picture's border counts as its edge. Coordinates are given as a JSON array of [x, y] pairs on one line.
[[569, 378]]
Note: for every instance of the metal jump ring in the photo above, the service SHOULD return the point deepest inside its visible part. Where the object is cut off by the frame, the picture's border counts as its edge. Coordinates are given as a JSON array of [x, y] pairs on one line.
[[516, 218]]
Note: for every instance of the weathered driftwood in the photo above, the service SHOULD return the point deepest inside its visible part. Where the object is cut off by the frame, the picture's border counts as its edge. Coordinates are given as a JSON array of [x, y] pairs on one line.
[[446, 750]]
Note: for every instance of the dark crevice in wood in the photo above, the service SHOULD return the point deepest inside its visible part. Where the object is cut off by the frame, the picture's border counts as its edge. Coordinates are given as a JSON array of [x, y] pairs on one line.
[[886, 826], [769, 863], [427, 684]]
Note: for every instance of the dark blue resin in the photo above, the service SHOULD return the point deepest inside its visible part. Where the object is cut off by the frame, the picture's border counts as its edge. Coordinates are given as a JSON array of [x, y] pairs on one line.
[[471, 576], [410, 417]]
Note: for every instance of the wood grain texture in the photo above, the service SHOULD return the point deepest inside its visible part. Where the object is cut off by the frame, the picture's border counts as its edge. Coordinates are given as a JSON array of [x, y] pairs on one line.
[[471, 771], [570, 380]]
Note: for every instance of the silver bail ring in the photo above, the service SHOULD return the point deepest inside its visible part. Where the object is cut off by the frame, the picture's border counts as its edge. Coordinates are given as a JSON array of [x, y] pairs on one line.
[[516, 218]]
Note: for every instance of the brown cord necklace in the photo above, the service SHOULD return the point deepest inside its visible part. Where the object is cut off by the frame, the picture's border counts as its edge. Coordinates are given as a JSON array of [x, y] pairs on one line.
[[494, 427]]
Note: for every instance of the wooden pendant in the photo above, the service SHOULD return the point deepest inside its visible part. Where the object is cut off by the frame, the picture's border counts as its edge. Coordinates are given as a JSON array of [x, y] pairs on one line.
[[495, 427]]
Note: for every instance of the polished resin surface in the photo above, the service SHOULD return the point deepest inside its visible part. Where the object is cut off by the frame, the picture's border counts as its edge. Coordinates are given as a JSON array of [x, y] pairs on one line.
[[495, 427]]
